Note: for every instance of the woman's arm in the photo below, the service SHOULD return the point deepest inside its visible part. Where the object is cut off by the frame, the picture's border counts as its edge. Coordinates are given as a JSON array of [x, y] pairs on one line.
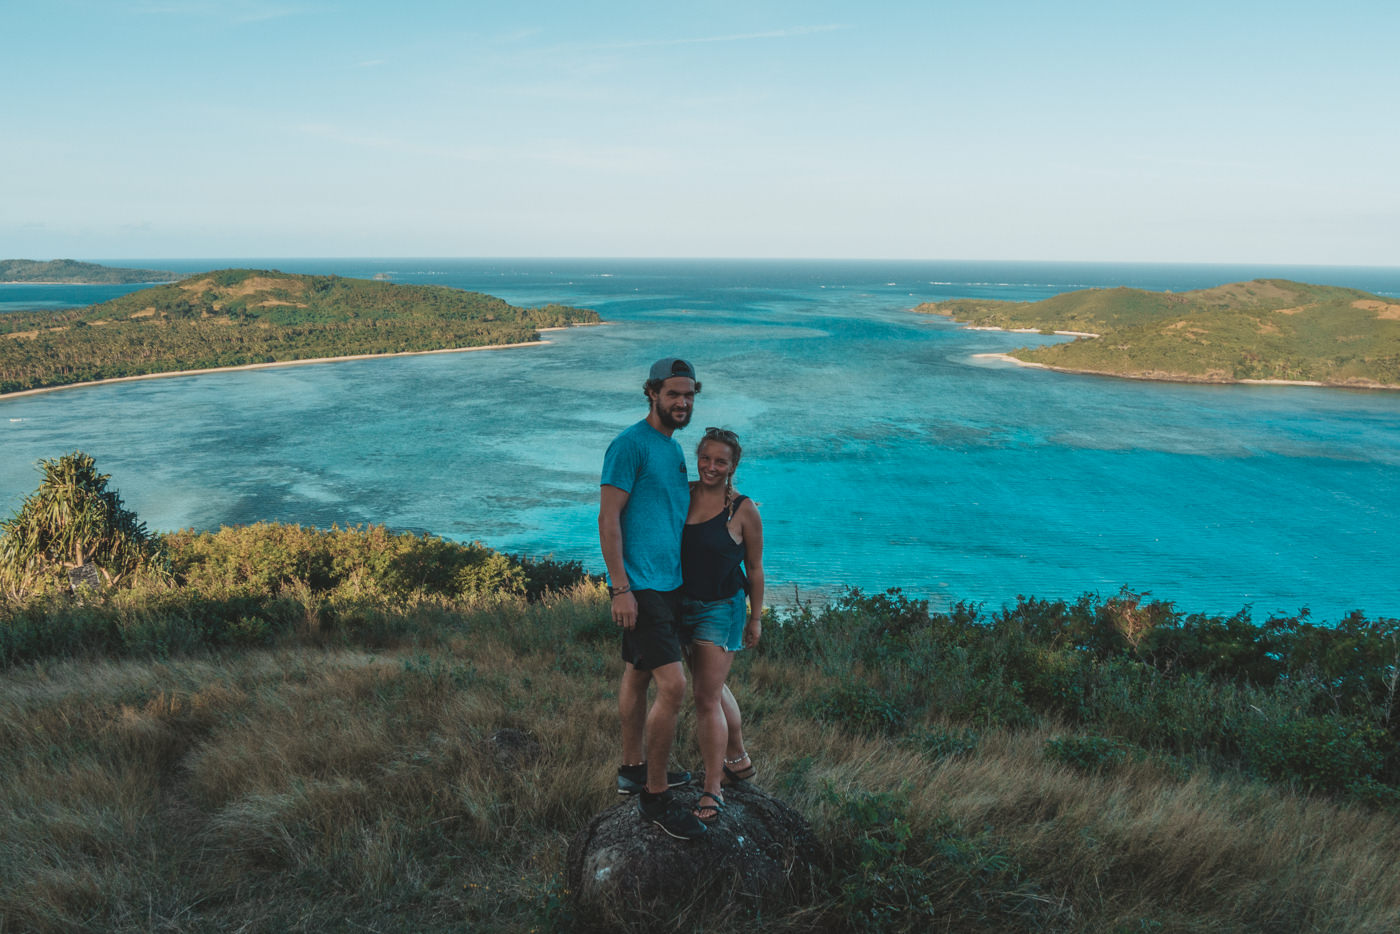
[[752, 526]]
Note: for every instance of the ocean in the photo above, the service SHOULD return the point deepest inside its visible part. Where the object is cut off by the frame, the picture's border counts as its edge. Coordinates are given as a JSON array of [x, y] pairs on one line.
[[882, 452]]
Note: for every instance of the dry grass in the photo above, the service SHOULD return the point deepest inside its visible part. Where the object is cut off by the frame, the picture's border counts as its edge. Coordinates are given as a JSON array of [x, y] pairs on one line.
[[311, 789], [1382, 309]]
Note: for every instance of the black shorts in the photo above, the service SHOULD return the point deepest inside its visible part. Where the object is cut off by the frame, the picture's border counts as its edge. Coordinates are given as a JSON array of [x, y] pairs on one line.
[[659, 635]]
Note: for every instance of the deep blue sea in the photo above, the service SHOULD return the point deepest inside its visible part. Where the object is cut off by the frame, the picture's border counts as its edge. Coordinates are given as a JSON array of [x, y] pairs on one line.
[[883, 454]]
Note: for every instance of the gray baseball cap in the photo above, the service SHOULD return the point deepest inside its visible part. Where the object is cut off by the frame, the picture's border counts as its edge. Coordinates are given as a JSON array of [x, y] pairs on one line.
[[667, 367]]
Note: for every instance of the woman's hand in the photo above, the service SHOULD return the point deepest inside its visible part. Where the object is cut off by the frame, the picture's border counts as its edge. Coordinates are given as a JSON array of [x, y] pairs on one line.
[[753, 631]]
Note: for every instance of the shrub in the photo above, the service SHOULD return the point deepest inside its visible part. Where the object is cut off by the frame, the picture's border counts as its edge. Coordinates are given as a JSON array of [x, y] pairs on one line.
[[73, 520], [881, 888], [895, 870], [945, 744], [548, 575], [1328, 753], [859, 707], [347, 563], [1088, 753]]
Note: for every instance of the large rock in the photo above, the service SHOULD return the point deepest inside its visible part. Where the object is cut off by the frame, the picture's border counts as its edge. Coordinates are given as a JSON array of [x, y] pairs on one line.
[[760, 851]]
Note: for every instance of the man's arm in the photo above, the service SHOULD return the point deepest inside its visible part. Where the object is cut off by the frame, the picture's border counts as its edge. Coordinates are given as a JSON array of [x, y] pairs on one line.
[[624, 605]]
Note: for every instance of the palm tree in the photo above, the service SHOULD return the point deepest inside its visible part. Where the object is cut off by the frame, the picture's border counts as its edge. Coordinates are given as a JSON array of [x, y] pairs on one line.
[[71, 521]]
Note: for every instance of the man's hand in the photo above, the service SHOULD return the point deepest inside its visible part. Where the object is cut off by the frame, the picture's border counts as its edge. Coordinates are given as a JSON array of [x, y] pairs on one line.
[[624, 610]]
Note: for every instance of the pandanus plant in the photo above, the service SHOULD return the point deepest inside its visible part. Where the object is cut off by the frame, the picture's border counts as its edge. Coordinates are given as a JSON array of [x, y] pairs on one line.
[[71, 520]]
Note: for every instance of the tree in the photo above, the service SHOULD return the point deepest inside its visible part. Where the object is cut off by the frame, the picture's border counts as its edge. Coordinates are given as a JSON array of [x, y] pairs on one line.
[[71, 520]]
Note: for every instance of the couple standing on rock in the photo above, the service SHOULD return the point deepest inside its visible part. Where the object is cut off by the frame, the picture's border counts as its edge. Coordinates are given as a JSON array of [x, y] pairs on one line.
[[673, 550]]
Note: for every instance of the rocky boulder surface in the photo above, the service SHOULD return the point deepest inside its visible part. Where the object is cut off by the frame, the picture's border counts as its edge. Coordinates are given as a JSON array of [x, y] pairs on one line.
[[759, 852]]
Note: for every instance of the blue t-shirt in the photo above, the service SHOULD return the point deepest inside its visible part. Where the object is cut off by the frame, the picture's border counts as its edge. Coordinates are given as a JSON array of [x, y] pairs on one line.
[[650, 468]]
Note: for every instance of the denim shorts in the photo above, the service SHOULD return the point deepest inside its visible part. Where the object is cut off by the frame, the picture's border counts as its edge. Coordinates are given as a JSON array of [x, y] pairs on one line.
[[719, 622]]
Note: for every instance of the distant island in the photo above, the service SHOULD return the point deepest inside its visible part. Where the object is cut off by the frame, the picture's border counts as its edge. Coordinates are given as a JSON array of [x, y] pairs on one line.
[[247, 317], [1267, 330], [72, 272]]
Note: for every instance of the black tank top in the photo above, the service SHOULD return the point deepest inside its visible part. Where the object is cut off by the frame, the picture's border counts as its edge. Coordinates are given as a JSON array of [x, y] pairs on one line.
[[710, 559]]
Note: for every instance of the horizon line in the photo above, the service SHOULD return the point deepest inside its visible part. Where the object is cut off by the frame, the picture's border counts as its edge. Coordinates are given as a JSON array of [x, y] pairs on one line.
[[727, 259]]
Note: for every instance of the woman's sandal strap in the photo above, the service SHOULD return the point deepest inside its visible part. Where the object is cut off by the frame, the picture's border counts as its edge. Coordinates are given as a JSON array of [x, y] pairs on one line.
[[741, 775], [716, 805]]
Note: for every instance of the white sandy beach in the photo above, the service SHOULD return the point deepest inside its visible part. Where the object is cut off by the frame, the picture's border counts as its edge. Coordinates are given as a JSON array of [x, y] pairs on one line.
[[1169, 378], [980, 327], [277, 363]]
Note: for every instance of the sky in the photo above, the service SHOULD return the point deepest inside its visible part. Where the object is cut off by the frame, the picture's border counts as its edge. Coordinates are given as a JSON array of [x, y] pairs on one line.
[[1241, 132]]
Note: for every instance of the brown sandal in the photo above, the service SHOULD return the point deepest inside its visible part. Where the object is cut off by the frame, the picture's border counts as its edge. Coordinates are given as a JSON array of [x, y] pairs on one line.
[[735, 776]]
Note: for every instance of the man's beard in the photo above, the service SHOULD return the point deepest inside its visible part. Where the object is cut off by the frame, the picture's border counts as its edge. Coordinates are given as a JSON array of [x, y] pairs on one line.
[[668, 421]]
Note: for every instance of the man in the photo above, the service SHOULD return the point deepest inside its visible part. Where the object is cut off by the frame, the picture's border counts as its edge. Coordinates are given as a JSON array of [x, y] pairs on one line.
[[645, 493]]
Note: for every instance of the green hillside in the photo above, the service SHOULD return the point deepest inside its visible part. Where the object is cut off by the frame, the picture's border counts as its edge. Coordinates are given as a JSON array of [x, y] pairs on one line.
[[1267, 329], [273, 728], [235, 317], [73, 272]]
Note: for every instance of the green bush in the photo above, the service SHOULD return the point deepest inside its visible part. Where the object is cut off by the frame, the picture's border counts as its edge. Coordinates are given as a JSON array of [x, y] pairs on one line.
[[1328, 753], [548, 575], [945, 744], [258, 584], [342, 563], [70, 521], [891, 874], [860, 708], [1089, 753]]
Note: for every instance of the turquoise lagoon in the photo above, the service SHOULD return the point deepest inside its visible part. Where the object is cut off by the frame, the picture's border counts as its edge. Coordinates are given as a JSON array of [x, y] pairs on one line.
[[883, 451]]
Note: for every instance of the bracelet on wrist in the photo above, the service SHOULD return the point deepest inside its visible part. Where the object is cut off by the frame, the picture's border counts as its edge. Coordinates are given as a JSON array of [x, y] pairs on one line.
[[617, 591]]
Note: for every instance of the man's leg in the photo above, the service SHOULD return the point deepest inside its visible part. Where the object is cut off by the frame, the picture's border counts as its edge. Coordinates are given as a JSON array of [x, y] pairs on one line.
[[660, 643], [632, 712], [661, 723]]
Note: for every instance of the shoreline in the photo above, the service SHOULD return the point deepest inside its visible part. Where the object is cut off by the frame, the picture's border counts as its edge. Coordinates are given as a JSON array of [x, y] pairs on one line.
[[1177, 378], [275, 363], [63, 282], [988, 327]]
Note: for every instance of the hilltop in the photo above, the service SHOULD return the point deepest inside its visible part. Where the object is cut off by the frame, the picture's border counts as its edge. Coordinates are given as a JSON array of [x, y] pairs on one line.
[[358, 729], [276, 728], [72, 272], [1263, 330], [241, 317]]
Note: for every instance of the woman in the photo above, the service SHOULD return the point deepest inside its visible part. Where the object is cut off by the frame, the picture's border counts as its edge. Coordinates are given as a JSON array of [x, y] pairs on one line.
[[722, 531]]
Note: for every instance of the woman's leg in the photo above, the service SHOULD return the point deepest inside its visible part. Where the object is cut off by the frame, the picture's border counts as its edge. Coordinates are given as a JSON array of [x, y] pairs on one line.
[[734, 740], [709, 667]]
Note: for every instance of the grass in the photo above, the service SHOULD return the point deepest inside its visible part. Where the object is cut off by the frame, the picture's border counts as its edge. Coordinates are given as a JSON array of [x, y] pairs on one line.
[[962, 774]]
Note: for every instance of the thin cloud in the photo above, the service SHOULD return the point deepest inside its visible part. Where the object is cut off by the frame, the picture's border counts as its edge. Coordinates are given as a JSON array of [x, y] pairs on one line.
[[232, 12], [791, 33], [335, 134], [564, 153]]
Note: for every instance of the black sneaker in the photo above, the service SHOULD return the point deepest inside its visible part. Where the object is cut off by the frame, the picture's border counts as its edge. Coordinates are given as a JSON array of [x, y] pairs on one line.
[[671, 816], [631, 779]]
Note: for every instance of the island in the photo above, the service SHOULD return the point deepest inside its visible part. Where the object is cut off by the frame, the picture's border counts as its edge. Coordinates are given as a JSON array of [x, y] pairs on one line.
[[248, 317], [72, 272], [1262, 331]]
